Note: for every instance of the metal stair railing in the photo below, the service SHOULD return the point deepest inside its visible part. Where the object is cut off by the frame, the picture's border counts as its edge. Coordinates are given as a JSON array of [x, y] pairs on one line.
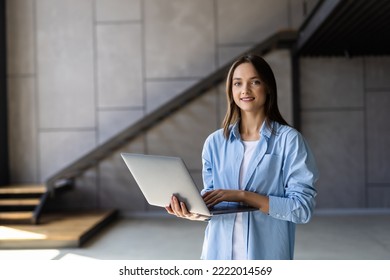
[[280, 40]]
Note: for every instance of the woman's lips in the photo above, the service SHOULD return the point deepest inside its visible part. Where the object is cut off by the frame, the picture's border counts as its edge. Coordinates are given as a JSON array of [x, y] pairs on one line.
[[247, 99]]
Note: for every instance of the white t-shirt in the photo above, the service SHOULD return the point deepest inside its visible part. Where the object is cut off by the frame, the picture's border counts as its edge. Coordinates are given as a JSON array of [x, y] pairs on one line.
[[239, 246]]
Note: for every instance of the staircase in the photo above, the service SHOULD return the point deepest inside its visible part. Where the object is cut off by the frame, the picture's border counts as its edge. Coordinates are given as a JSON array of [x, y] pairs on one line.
[[22, 204]]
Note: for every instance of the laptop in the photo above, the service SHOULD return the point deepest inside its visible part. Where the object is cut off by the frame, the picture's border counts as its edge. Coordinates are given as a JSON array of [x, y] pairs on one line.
[[160, 177]]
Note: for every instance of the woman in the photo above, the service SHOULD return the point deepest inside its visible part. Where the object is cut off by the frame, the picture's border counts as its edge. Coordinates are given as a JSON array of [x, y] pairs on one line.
[[256, 159]]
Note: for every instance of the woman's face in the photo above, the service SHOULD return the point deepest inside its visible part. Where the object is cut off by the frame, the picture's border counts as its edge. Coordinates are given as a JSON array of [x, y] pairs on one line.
[[247, 88]]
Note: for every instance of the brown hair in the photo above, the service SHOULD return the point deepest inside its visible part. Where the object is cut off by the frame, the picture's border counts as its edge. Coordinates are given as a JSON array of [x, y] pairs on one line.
[[267, 77]]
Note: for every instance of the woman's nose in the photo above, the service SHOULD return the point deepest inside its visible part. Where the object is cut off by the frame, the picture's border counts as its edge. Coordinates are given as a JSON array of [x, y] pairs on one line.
[[245, 88]]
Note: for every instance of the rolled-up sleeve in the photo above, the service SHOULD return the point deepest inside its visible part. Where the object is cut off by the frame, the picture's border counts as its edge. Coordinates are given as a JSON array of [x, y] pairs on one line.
[[299, 176]]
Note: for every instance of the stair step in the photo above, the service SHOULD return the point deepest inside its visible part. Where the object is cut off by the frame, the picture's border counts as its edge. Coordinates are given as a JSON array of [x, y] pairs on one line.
[[15, 216], [23, 189], [20, 202]]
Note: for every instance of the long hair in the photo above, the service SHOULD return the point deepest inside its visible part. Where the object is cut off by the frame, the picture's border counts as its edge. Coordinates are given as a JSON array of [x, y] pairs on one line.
[[267, 77]]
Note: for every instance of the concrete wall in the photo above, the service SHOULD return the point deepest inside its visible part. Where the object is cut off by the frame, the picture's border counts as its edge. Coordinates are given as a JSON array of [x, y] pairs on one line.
[[81, 71], [4, 160], [345, 112]]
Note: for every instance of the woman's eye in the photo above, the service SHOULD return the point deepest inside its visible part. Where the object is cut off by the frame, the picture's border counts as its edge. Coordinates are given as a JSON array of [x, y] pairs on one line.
[[256, 82], [236, 84]]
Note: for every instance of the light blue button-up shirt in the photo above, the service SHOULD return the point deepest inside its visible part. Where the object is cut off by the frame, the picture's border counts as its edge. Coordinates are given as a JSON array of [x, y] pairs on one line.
[[282, 168]]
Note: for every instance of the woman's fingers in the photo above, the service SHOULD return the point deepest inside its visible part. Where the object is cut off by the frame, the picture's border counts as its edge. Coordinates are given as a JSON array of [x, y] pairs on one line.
[[175, 205], [169, 209], [180, 210], [185, 211], [213, 197]]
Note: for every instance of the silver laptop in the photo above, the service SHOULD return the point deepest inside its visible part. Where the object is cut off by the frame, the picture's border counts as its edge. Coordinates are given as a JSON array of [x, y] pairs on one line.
[[160, 177]]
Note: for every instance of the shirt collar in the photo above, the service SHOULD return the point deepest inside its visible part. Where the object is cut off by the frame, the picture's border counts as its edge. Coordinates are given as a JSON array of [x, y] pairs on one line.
[[264, 130]]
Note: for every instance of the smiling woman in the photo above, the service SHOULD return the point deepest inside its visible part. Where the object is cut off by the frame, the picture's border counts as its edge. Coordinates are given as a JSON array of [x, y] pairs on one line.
[[248, 91], [261, 80], [256, 159], [249, 94]]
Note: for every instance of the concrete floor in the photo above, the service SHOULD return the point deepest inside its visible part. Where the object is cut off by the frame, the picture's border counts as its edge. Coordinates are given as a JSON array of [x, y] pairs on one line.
[[330, 237]]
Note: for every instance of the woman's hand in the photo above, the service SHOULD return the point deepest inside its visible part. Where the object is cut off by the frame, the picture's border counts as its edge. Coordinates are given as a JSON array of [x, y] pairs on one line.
[[256, 200], [214, 197], [179, 209]]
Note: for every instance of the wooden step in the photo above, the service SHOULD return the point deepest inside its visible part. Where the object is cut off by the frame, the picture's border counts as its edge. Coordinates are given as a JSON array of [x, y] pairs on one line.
[[16, 216], [57, 230], [23, 189], [20, 202]]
